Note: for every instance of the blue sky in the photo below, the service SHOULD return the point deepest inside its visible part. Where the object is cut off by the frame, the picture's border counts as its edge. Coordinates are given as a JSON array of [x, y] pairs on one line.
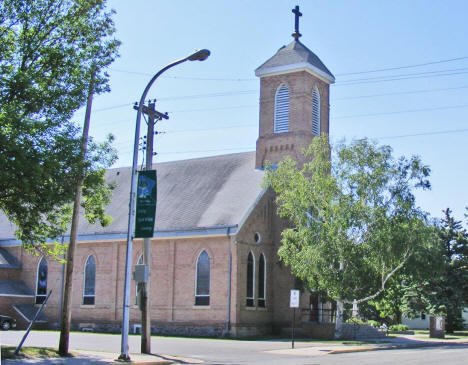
[[418, 104]]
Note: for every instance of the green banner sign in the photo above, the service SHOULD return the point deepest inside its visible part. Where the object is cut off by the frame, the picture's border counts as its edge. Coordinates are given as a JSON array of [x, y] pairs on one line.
[[146, 204]]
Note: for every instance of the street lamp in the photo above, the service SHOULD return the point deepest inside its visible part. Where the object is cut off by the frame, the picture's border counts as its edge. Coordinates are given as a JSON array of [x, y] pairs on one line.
[[199, 55]]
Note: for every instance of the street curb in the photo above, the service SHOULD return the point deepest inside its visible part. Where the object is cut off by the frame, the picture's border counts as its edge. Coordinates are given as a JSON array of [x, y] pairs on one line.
[[396, 346], [144, 362], [354, 349]]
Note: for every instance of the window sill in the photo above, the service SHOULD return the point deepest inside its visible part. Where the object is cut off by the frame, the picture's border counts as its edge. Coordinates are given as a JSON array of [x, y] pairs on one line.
[[263, 309], [201, 307], [90, 306]]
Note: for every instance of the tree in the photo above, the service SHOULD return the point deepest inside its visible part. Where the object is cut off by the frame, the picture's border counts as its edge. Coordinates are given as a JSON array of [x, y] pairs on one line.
[[354, 222], [445, 292], [47, 51]]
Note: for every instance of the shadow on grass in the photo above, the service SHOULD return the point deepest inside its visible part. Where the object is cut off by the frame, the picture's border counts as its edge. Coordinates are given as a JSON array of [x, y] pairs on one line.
[[8, 352]]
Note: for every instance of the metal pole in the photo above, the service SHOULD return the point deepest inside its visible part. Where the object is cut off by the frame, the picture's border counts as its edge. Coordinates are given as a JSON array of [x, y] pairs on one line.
[[293, 325], [18, 348], [199, 55], [146, 311]]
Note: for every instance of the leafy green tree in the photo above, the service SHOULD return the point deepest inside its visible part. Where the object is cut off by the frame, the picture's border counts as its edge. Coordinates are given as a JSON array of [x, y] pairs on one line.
[[354, 222], [445, 292], [48, 50]]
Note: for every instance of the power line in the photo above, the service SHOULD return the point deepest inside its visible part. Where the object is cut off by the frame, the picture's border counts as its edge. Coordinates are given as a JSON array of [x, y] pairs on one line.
[[397, 79], [404, 75], [113, 107], [254, 79], [215, 128], [210, 95], [228, 93], [382, 137], [402, 111], [400, 93], [210, 109], [333, 117], [182, 77], [425, 134], [201, 151], [402, 67]]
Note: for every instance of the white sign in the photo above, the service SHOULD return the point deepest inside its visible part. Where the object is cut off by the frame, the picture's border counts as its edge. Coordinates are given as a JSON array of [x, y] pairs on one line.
[[439, 323], [294, 300]]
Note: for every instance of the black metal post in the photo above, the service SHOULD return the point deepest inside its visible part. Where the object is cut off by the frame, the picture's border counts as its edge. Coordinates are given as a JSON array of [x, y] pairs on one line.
[[293, 325]]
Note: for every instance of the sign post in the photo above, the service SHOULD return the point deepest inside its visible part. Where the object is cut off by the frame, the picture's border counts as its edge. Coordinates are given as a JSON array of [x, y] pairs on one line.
[[294, 303]]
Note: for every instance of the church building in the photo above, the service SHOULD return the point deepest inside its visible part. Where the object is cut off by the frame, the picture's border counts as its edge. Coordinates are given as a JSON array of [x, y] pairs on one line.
[[214, 264]]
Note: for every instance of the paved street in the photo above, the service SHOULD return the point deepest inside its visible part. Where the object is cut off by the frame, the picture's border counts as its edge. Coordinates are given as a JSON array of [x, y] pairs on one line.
[[230, 352]]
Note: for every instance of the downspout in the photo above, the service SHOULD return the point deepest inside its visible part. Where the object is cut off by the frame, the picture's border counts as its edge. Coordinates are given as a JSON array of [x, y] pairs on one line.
[[228, 317]]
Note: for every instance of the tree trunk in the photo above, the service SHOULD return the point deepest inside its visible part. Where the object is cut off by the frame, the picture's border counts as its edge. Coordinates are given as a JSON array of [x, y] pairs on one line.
[[68, 287], [339, 319]]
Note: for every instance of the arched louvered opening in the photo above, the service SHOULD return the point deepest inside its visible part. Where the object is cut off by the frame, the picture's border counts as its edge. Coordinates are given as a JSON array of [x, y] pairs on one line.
[[41, 281], [261, 281], [89, 289], [202, 283], [281, 123], [250, 280], [316, 112]]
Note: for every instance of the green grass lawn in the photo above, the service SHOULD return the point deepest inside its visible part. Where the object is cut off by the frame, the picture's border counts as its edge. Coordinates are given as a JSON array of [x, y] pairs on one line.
[[8, 352], [449, 336]]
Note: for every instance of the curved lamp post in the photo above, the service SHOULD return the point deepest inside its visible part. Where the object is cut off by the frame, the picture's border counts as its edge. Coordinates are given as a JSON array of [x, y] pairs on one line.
[[199, 55]]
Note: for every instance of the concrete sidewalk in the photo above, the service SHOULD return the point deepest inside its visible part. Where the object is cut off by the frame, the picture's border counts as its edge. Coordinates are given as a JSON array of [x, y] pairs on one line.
[[82, 357], [312, 349]]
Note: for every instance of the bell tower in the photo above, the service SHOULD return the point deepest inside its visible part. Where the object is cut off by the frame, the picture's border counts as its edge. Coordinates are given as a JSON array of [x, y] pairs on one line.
[[294, 101]]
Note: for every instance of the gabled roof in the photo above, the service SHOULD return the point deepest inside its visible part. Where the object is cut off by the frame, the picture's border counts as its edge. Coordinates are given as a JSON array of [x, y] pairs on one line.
[[28, 312], [8, 261], [14, 288], [204, 194], [295, 56]]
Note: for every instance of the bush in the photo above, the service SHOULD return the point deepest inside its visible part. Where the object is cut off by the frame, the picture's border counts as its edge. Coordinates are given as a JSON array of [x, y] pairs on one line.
[[361, 322], [399, 327], [373, 323], [355, 321]]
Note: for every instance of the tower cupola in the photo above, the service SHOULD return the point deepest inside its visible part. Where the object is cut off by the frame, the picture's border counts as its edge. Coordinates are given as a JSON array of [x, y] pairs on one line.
[[294, 101]]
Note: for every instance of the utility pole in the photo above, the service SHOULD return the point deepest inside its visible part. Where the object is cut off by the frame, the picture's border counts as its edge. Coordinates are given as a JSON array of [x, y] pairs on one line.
[[145, 306], [67, 291], [199, 55]]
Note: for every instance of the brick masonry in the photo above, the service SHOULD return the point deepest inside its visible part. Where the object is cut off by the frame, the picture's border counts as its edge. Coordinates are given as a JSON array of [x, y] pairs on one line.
[[274, 147], [173, 263]]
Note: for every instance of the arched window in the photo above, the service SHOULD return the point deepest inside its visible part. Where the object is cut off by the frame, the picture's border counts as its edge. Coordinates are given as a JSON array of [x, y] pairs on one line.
[[261, 281], [41, 285], [250, 280], [89, 288], [202, 284], [316, 112], [281, 123]]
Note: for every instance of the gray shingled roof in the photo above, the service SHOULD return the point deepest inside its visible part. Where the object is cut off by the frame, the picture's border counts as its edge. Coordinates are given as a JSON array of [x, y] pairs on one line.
[[14, 288], [8, 261], [294, 53], [28, 311], [192, 194], [7, 229]]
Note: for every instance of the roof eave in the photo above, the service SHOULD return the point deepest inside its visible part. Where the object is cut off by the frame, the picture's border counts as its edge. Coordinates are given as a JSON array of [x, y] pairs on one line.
[[161, 234], [295, 67]]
